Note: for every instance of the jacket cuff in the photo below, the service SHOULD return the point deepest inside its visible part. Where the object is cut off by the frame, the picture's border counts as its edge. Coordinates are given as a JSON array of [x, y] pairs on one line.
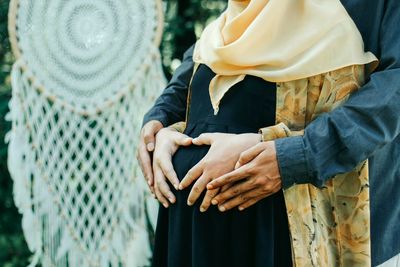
[[292, 161], [274, 132]]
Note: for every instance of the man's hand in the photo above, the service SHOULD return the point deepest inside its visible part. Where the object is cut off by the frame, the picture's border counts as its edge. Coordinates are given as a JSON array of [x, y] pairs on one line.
[[145, 148], [168, 141], [221, 158], [256, 176]]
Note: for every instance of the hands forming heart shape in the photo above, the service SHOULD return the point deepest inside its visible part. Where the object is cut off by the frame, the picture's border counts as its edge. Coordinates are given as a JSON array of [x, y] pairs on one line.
[[237, 171]]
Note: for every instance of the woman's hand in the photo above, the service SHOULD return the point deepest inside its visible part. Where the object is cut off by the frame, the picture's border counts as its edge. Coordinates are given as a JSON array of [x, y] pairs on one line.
[[256, 176], [221, 158], [168, 141]]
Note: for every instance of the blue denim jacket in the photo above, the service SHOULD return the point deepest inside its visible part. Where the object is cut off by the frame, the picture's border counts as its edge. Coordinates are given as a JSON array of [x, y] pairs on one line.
[[366, 126]]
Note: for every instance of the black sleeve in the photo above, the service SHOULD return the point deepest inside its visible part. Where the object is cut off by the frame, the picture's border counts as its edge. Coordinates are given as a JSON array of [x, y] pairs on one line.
[[170, 106]]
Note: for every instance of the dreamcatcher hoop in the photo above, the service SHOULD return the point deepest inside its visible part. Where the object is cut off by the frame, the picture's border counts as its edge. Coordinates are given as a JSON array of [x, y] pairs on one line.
[[86, 107], [71, 147]]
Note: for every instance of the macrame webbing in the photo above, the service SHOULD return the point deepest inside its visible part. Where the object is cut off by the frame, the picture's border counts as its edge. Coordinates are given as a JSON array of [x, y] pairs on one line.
[[76, 111]]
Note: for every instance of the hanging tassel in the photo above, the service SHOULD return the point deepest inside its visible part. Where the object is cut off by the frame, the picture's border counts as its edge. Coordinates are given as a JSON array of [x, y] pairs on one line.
[[138, 252]]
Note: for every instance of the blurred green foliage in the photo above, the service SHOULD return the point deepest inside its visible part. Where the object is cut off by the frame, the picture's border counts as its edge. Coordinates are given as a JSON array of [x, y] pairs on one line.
[[184, 22], [184, 19], [13, 249]]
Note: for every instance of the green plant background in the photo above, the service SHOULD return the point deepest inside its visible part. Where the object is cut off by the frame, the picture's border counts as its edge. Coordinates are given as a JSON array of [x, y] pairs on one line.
[[185, 20]]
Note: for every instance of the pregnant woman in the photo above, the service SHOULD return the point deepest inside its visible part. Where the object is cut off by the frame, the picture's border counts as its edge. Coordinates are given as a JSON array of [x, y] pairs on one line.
[[263, 70]]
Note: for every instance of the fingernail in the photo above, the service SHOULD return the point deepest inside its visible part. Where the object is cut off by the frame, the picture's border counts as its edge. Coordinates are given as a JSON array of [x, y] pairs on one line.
[[176, 186], [237, 165], [165, 205], [149, 183], [150, 146], [202, 209], [189, 203], [180, 187], [214, 202], [222, 209], [241, 208], [210, 187]]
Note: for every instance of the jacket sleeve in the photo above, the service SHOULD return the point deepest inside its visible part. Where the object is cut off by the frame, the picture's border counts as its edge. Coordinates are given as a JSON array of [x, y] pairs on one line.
[[170, 106], [336, 142]]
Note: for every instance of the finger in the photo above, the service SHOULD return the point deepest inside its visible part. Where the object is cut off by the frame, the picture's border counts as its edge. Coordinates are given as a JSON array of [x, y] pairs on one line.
[[204, 139], [153, 193], [210, 194], [233, 191], [184, 140], [166, 191], [160, 197], [169, 172], [197, 189], [149, 131], [249, 203], [162, 188], [192, 175], [238, 200], [150, 186], [149, 138], [226, 187], [223, 189], [249, 154], [230, 177], [145, 164]]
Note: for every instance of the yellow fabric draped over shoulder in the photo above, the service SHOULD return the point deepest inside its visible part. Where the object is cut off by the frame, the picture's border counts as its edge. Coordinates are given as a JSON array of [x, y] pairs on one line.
[[329, 226], [279, 41]]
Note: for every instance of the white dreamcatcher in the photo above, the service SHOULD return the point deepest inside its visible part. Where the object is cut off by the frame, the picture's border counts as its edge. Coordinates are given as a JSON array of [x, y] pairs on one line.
[[86, 72]]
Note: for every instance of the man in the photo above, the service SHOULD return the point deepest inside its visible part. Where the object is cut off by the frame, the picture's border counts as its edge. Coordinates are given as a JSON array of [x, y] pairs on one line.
[[366, 126]]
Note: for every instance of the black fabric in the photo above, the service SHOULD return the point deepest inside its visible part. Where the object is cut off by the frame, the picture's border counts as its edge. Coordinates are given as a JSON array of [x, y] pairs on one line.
[[258, 236]]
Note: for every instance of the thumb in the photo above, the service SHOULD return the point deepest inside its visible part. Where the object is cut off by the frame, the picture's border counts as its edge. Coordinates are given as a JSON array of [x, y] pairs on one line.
[[184, 140], [204, 139], [249, 154], [149, 132]]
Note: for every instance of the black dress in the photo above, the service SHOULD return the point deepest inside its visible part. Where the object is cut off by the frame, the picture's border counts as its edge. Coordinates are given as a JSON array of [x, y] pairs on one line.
[[258, 236]]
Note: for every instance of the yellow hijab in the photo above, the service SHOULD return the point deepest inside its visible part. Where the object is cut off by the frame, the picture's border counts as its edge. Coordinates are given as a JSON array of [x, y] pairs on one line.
[[278, 41]]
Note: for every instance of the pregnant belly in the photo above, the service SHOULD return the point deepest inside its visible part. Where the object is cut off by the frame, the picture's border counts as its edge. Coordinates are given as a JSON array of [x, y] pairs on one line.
[[186, 157]]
